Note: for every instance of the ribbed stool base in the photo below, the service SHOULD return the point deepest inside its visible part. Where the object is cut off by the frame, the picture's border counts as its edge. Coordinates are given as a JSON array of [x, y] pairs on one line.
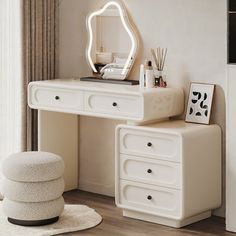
[[33, 222]]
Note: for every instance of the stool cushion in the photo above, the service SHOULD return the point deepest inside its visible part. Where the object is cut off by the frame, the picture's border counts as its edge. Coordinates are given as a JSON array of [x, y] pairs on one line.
[[33, 166], [33, 211], [32, 192]]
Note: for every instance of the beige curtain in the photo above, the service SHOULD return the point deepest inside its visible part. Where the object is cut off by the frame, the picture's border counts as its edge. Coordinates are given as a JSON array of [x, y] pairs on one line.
[[40, 31]]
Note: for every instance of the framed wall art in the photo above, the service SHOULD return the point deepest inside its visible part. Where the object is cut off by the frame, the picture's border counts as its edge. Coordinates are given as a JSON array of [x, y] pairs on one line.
[[199, 103]]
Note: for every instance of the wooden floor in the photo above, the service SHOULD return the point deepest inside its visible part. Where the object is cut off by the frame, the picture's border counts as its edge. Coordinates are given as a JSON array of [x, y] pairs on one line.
[[114, 224]]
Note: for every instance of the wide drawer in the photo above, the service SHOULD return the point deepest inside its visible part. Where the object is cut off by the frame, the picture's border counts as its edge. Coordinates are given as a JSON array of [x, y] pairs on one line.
[[162, 173], [56, 98], [150, 144], [114, 104], [150, 199]]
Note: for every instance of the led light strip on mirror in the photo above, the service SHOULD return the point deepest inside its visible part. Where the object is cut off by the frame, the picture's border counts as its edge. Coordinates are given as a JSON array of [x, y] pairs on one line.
[[126, 26]]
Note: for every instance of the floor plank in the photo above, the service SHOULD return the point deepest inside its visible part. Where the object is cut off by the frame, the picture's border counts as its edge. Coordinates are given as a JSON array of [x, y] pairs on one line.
[[114, 224]]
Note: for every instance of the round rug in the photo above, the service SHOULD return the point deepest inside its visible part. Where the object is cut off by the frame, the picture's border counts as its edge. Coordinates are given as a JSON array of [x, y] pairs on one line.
[[74, 218]]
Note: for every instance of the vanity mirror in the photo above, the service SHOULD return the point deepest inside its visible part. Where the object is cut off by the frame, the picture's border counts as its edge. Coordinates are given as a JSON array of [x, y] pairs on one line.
[[112, 43]]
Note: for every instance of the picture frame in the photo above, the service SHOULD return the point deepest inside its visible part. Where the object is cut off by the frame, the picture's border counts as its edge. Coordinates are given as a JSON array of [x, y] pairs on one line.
[[200, 103]]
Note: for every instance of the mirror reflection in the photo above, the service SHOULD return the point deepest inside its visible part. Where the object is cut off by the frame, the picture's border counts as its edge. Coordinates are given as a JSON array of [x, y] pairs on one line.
[[112, 47]]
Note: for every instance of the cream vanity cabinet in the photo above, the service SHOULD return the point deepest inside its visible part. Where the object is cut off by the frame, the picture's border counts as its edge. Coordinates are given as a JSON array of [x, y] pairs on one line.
[[168, 173], [105, 100]]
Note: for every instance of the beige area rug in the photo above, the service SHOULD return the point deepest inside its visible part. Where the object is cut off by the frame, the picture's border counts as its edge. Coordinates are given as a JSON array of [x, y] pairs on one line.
[[73, 218]]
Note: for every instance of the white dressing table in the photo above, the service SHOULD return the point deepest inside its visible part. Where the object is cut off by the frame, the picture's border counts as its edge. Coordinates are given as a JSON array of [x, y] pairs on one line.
[[160, 168], [167, 173]]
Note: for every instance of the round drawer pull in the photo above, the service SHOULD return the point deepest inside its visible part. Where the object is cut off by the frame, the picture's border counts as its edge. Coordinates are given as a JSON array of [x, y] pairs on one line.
[[149, 171], [149, 197], [114, 104], [149, 144], [57, 97]]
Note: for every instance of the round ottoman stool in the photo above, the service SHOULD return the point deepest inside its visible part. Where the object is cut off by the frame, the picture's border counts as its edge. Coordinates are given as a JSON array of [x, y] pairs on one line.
[[32, 188]]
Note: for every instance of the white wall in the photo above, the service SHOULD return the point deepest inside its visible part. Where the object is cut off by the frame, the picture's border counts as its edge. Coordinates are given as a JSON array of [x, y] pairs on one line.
[[54, 136], [194, 31]]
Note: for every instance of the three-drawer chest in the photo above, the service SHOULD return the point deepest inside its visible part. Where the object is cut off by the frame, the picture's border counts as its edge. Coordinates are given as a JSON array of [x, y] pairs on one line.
[[168, 173]]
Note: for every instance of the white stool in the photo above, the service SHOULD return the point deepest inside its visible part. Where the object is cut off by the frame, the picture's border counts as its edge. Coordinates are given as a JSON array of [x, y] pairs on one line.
[[32, 188]]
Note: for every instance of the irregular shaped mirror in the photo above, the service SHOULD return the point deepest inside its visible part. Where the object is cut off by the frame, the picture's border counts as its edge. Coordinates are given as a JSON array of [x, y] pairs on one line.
[[112, 44]]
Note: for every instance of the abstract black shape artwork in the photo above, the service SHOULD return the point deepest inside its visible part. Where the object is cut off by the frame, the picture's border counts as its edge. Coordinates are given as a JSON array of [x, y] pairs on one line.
[[199, 103]]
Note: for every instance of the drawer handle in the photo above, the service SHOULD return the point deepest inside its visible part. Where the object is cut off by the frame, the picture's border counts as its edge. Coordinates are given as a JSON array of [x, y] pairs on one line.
[[149, 171], [57, 97], [149, 197], [149, 144], [114, 104]]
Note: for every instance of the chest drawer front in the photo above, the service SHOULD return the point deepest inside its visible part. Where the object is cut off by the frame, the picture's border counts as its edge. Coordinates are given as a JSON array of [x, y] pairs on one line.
[[162, 173], [150, 144], [57, 98], [147, 198], [114, 104]]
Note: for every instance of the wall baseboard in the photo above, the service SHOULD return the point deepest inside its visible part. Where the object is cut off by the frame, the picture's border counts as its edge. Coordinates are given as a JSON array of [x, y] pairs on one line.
[[92, 187], [219, 212]]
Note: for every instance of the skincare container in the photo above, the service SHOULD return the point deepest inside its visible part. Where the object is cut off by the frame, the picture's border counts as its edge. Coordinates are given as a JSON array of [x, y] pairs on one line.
[[149, 76], [141, 77]]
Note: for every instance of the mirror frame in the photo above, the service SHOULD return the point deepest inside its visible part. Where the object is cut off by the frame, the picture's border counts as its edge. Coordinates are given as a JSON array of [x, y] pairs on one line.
[[128, 27]]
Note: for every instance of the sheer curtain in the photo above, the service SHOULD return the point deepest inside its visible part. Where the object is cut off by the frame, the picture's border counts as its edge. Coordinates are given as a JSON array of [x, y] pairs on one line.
[[11, 83]]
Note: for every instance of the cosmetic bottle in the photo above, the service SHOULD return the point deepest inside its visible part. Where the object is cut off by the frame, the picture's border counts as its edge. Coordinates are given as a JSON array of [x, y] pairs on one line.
[[145, 68], [141, 77], [149, 75]]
